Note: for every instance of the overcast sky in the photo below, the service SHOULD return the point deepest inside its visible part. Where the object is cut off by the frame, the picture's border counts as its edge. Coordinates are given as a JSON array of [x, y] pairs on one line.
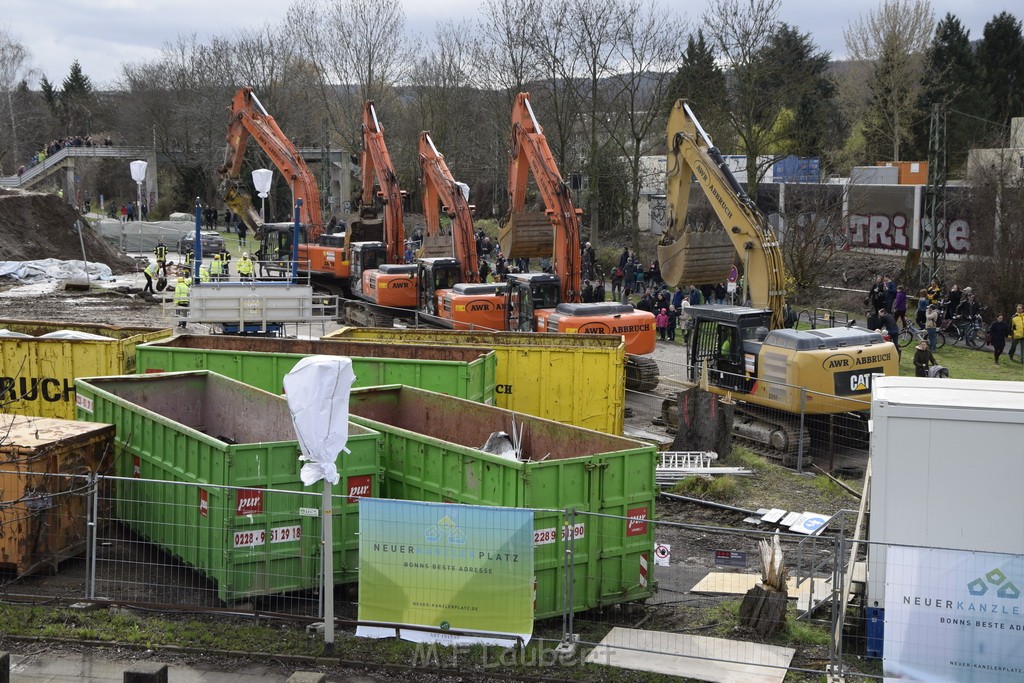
[[102, 34]]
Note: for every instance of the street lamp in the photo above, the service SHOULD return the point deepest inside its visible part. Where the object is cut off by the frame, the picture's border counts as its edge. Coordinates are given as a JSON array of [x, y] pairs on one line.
[[261, 178], [139, 175]]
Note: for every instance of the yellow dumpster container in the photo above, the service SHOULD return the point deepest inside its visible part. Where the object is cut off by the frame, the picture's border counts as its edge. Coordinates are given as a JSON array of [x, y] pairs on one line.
[[572, 378], [37, 374]]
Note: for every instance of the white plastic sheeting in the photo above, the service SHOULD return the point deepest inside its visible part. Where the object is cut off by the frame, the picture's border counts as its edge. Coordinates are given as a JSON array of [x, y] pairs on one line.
[[318, 390], [54, 269]]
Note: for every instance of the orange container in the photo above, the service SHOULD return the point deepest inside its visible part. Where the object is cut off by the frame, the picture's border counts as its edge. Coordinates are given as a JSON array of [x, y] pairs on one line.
[[43, 518], [911, 172]]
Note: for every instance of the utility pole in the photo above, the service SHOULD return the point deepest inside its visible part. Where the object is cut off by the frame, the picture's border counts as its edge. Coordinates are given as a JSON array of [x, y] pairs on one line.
[[935, 192]]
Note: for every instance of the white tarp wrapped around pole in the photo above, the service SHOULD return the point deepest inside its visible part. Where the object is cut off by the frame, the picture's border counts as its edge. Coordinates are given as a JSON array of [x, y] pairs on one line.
[[318, 390]]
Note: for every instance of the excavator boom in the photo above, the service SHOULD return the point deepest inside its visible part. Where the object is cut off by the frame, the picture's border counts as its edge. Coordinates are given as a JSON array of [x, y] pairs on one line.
[[693, 257], [440, 189], [249, 118], [376, 165], [521, 236]]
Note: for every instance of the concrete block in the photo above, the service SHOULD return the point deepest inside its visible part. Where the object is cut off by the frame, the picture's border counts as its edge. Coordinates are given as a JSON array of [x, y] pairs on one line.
[[146, 672], [307, 677]]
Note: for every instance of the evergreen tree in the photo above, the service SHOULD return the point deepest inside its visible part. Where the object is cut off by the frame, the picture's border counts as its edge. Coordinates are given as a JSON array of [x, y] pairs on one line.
[[50, 95], [809, 96], [700, 81], [1001, 56], [952, 78], [77, 101]]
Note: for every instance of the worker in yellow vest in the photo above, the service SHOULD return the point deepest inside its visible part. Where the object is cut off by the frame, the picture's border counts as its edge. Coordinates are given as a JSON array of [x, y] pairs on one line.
[[204, 273], [216, 268], [244, 267], [181, 292], [151, 270]]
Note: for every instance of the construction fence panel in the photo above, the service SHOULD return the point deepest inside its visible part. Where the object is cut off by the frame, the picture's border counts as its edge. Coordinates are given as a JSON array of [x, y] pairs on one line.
[[174, 543], [788, 424], [700, 576]]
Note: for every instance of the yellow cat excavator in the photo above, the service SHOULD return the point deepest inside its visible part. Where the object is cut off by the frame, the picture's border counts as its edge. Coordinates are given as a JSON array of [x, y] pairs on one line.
[[747, 352]]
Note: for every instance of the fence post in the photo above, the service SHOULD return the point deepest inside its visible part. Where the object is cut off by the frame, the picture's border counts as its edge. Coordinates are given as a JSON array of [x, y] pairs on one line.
[[838, 586], [800, 442], [569, 641], [91, 532]]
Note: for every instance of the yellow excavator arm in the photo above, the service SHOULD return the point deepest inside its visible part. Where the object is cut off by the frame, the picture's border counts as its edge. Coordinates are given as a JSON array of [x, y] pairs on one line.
[[688, 256]]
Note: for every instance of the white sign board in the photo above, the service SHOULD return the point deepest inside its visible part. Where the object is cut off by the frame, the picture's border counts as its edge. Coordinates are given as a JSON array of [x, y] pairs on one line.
[[662, 554], [953, 616]]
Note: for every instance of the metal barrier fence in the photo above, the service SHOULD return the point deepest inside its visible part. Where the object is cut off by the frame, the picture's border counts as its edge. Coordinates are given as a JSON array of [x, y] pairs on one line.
[[177, 546], [805, 428]]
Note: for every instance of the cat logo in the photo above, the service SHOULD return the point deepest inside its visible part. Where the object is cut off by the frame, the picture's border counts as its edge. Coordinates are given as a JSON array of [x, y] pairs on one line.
[[855, 381]]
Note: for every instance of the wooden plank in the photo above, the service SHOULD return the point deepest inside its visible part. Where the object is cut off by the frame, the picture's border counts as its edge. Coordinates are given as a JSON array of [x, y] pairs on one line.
[[697, 657], [730, 583]]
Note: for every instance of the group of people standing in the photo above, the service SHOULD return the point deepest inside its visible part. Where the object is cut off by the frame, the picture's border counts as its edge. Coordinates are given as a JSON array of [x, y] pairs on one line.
[[935, 307]]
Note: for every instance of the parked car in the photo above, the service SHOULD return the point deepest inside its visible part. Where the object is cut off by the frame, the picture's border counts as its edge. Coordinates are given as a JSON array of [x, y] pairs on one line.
[[212, 242]]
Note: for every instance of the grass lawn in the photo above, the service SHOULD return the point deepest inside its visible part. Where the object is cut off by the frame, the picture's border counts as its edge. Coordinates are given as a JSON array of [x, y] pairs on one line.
[[966, 363]]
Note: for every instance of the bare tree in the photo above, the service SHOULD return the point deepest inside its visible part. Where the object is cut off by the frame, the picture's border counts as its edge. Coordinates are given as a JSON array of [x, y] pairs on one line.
[[557, 95], [811, 231], [593, 40], [889, 47], [650, 38], [15, 68], [358, 47], [742, 30], [505, 60]]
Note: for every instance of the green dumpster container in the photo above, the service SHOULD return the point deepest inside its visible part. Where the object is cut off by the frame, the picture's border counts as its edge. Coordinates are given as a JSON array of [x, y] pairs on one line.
[[454, 370], [198, 428], [432, 452]]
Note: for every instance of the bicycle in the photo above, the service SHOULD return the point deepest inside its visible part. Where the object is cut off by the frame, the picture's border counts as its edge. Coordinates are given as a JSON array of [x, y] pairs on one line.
[[913, 333], [971, 332]]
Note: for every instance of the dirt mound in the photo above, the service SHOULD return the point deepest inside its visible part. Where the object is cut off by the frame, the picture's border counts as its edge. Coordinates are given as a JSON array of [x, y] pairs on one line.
[[39, 226]]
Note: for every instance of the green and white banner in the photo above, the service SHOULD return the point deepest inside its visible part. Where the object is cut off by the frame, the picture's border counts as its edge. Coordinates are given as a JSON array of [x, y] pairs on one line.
[[953, 615], [462, 568]]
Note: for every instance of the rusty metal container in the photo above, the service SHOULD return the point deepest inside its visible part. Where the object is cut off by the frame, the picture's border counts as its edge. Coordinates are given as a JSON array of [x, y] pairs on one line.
[[43, 518]]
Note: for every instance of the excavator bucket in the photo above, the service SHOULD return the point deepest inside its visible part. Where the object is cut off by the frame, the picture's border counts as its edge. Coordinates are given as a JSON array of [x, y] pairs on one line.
[[437, 246], [366, 230], [527, 235], [698, 257]]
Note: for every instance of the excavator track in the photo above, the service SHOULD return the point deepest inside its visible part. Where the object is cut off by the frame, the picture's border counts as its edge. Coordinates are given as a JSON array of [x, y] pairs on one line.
[[769, 434], [776, 437], [642, 373]]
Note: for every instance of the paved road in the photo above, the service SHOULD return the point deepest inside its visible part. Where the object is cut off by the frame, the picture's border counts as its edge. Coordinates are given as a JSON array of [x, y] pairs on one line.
[[73, 667]]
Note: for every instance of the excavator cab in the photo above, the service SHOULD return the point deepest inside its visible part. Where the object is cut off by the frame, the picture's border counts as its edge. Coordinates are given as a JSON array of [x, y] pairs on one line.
[[434, 275], [365, 256], [727, 339], [274, 256], [526, 294]]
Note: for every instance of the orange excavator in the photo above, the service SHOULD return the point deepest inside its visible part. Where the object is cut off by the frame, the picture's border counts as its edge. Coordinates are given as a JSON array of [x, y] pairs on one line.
[[326, 255], [379, 275], [550, 302], [450, 291]]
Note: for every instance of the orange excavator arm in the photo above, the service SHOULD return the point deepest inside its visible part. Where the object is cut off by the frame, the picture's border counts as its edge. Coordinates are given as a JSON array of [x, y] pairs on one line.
[[528, 152], [249, 118], [376, 165], [440, 189]]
